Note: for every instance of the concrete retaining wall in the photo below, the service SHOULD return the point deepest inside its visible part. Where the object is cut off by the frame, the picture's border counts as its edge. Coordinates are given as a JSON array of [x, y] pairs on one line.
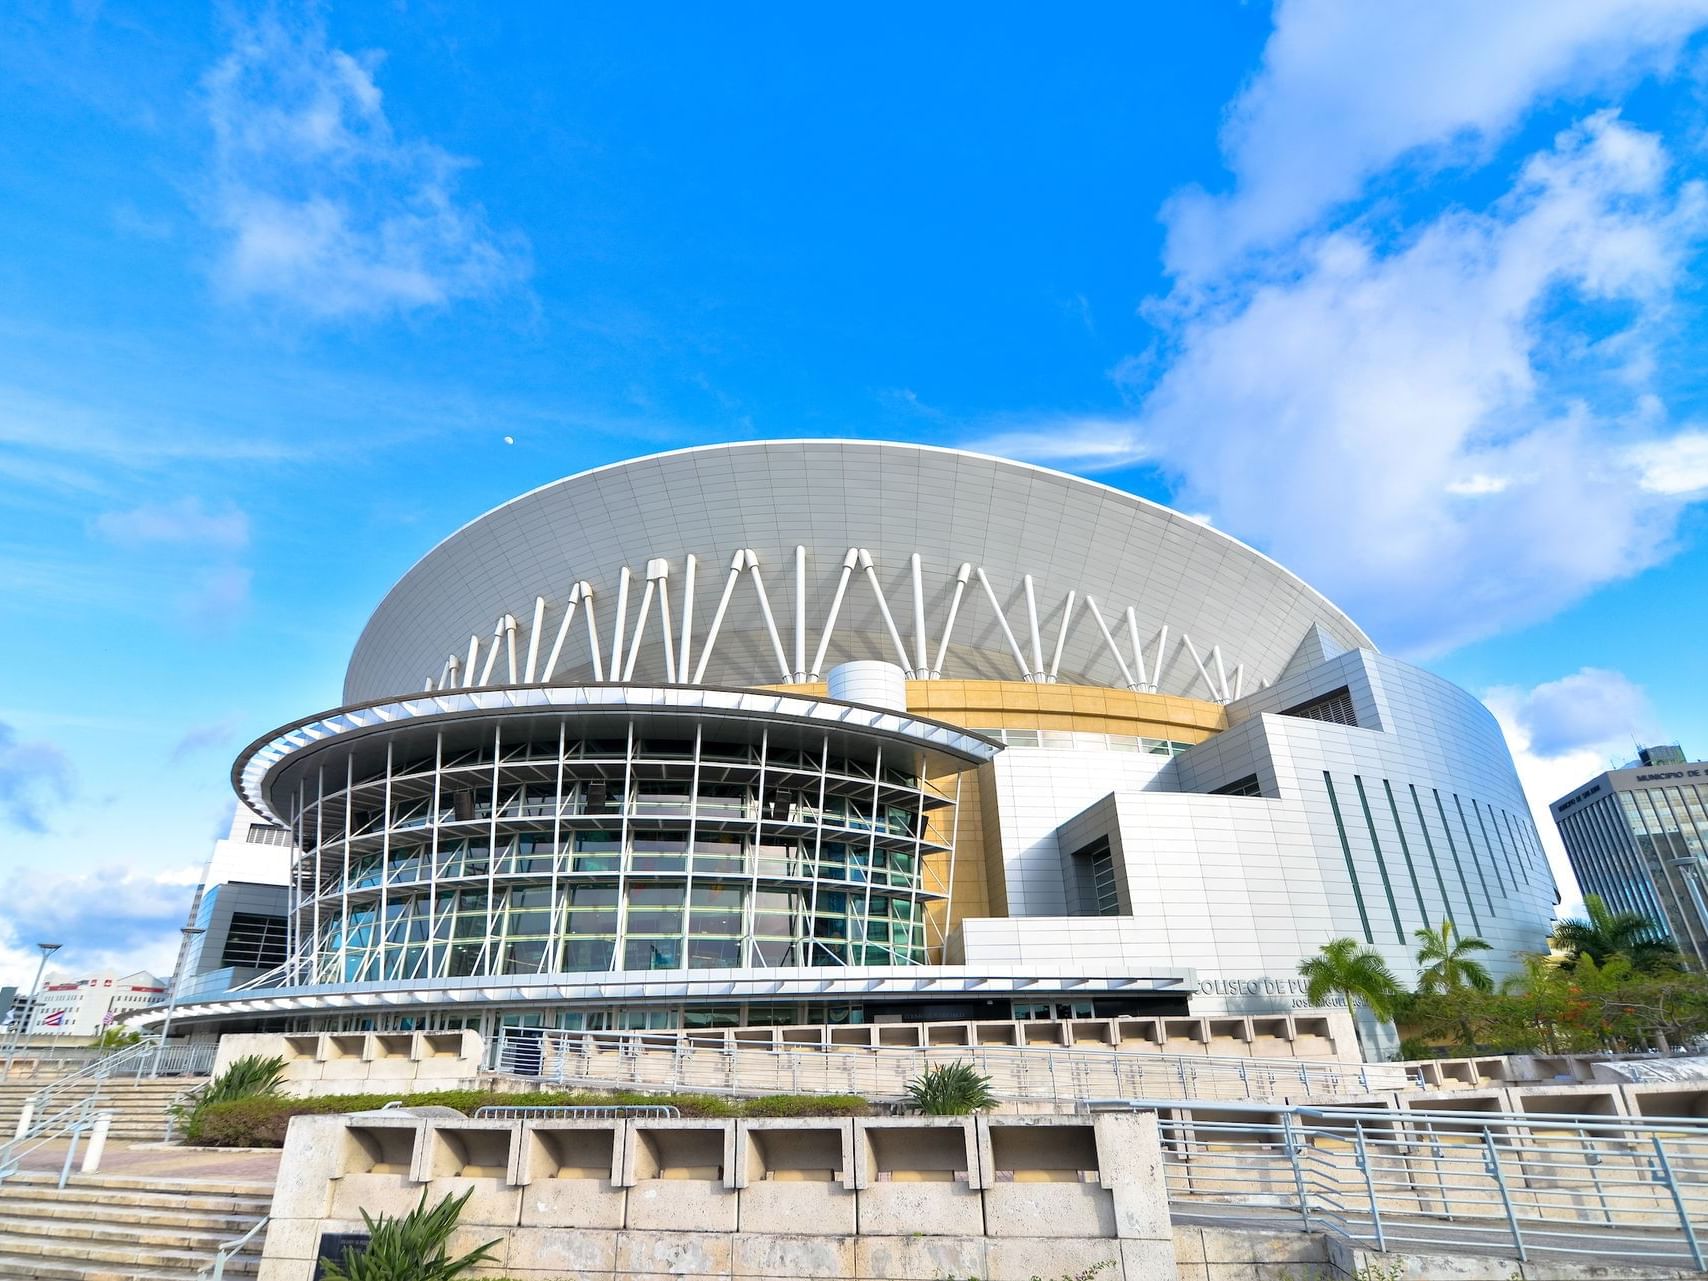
[[897, 1198]]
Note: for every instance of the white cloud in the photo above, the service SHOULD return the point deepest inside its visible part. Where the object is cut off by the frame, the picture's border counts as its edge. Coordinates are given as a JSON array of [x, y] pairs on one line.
[[108, 918], [1341, 415], [1477, 484], [1591, 708], [1346, 90], [1563, 733], [186, 521], [33, 777], [322, 207], [1087, 443], [1678, 465]]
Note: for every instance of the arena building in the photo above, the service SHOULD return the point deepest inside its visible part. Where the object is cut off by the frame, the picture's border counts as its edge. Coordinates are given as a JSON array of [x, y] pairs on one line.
[[803, 732]]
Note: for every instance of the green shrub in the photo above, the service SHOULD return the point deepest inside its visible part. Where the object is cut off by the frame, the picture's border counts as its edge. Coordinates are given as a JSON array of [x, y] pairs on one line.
[[251, 1077], [950, 1089], [261, 1121], [411, 1248]]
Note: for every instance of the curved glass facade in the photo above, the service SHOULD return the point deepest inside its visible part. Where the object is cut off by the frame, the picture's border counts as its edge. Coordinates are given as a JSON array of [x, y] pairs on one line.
[[537, 848]]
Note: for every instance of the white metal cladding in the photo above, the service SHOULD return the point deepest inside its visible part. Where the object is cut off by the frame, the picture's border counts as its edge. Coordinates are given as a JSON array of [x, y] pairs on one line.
[[771, 562], [263, 757]]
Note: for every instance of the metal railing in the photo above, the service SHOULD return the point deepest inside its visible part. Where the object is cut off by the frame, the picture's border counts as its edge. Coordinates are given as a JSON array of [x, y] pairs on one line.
[[670, 1061], [216, 1271], [611, 1112], [1524, 1183]]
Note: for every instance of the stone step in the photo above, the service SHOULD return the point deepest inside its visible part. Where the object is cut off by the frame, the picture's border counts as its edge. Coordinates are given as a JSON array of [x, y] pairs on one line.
[[61, 1252], [120, 1231], [38, 1268], [48, 1207], [17, 1199]]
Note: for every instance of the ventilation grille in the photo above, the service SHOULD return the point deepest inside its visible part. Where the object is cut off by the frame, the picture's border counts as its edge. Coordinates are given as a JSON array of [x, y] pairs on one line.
[[1336, 708]]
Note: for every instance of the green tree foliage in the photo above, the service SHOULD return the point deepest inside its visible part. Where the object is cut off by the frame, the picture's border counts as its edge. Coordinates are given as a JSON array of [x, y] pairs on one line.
[[1602, 934], [1552, 1009], [1342, 968], [950, 1089], [411, 1248], [1446, 961]]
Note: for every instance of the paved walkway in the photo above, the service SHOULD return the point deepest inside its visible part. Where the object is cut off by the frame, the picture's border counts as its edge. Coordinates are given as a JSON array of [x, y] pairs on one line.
[[153, 1160]]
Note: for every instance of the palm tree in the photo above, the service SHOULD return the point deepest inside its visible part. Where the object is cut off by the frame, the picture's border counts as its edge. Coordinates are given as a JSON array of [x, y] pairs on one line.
[[1353, 973], [1445, 964], [1606, 934]]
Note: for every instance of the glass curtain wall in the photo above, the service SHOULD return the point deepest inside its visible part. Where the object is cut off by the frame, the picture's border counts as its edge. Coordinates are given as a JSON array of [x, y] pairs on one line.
[[531, 850]]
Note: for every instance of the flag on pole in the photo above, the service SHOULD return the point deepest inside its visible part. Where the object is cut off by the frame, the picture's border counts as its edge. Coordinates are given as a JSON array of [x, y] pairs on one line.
[[54, 1018]]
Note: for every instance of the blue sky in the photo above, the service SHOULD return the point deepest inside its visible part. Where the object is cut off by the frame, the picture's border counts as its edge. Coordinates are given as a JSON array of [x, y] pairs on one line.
[[1410, 301]]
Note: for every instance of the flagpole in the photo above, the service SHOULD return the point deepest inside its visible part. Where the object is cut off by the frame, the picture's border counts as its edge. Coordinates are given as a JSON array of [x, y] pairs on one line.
[[189, 932]]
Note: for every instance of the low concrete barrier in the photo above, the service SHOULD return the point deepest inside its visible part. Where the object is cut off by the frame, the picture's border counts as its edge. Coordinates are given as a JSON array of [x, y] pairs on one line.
[[1001, 1199]]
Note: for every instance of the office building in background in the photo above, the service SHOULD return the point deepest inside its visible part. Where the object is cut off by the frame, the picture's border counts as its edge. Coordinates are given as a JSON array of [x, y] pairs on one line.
[[1638, 837]]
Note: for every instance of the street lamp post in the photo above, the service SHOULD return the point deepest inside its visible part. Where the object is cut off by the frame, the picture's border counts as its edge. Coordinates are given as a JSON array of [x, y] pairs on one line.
[[47, 950], [189, 932]]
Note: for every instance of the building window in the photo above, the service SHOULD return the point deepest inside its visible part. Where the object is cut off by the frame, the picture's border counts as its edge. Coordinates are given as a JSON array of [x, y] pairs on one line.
[[254, 941], [1334, 707], [1246, 786]]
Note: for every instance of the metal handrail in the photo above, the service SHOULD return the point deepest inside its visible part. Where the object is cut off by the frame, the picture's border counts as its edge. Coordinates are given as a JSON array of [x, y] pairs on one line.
[[1048, 1072], [216, 1271], [1441, 1179]]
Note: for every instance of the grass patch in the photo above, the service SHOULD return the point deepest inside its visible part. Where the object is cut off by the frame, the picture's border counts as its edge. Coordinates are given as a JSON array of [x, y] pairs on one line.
[[261, 1122]]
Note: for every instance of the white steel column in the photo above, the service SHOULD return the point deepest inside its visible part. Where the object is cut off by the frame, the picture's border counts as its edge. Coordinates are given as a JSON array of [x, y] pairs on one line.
[[884, 609], [492, 651], [1157, 664], [961, 575], [663, 576], [534, 639], [921, 665], [737, 563], [640, 622], [1109, 640], [557, 936], [384, 920], [1061, 635], [575, 595], [765, 610], [621, 624], [848, 563], [800, 672], [433, 969], [486, 946], [1199, 663], [592, 631], [1037, 669], [682, 668], [1002, 622]]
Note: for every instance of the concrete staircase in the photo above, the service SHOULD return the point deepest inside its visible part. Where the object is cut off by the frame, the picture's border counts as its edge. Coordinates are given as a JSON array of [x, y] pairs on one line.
[[139, 1108], [119, 1229]]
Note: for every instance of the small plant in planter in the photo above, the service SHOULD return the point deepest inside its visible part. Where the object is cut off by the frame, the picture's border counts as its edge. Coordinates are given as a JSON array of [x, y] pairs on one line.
[[950, 1089], [410, 1248]]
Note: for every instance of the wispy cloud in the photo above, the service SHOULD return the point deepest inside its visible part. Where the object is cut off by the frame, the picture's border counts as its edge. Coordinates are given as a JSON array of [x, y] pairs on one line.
[[321, 206], [1087, 442], [186, 521], [201, 738], [33, 778]]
